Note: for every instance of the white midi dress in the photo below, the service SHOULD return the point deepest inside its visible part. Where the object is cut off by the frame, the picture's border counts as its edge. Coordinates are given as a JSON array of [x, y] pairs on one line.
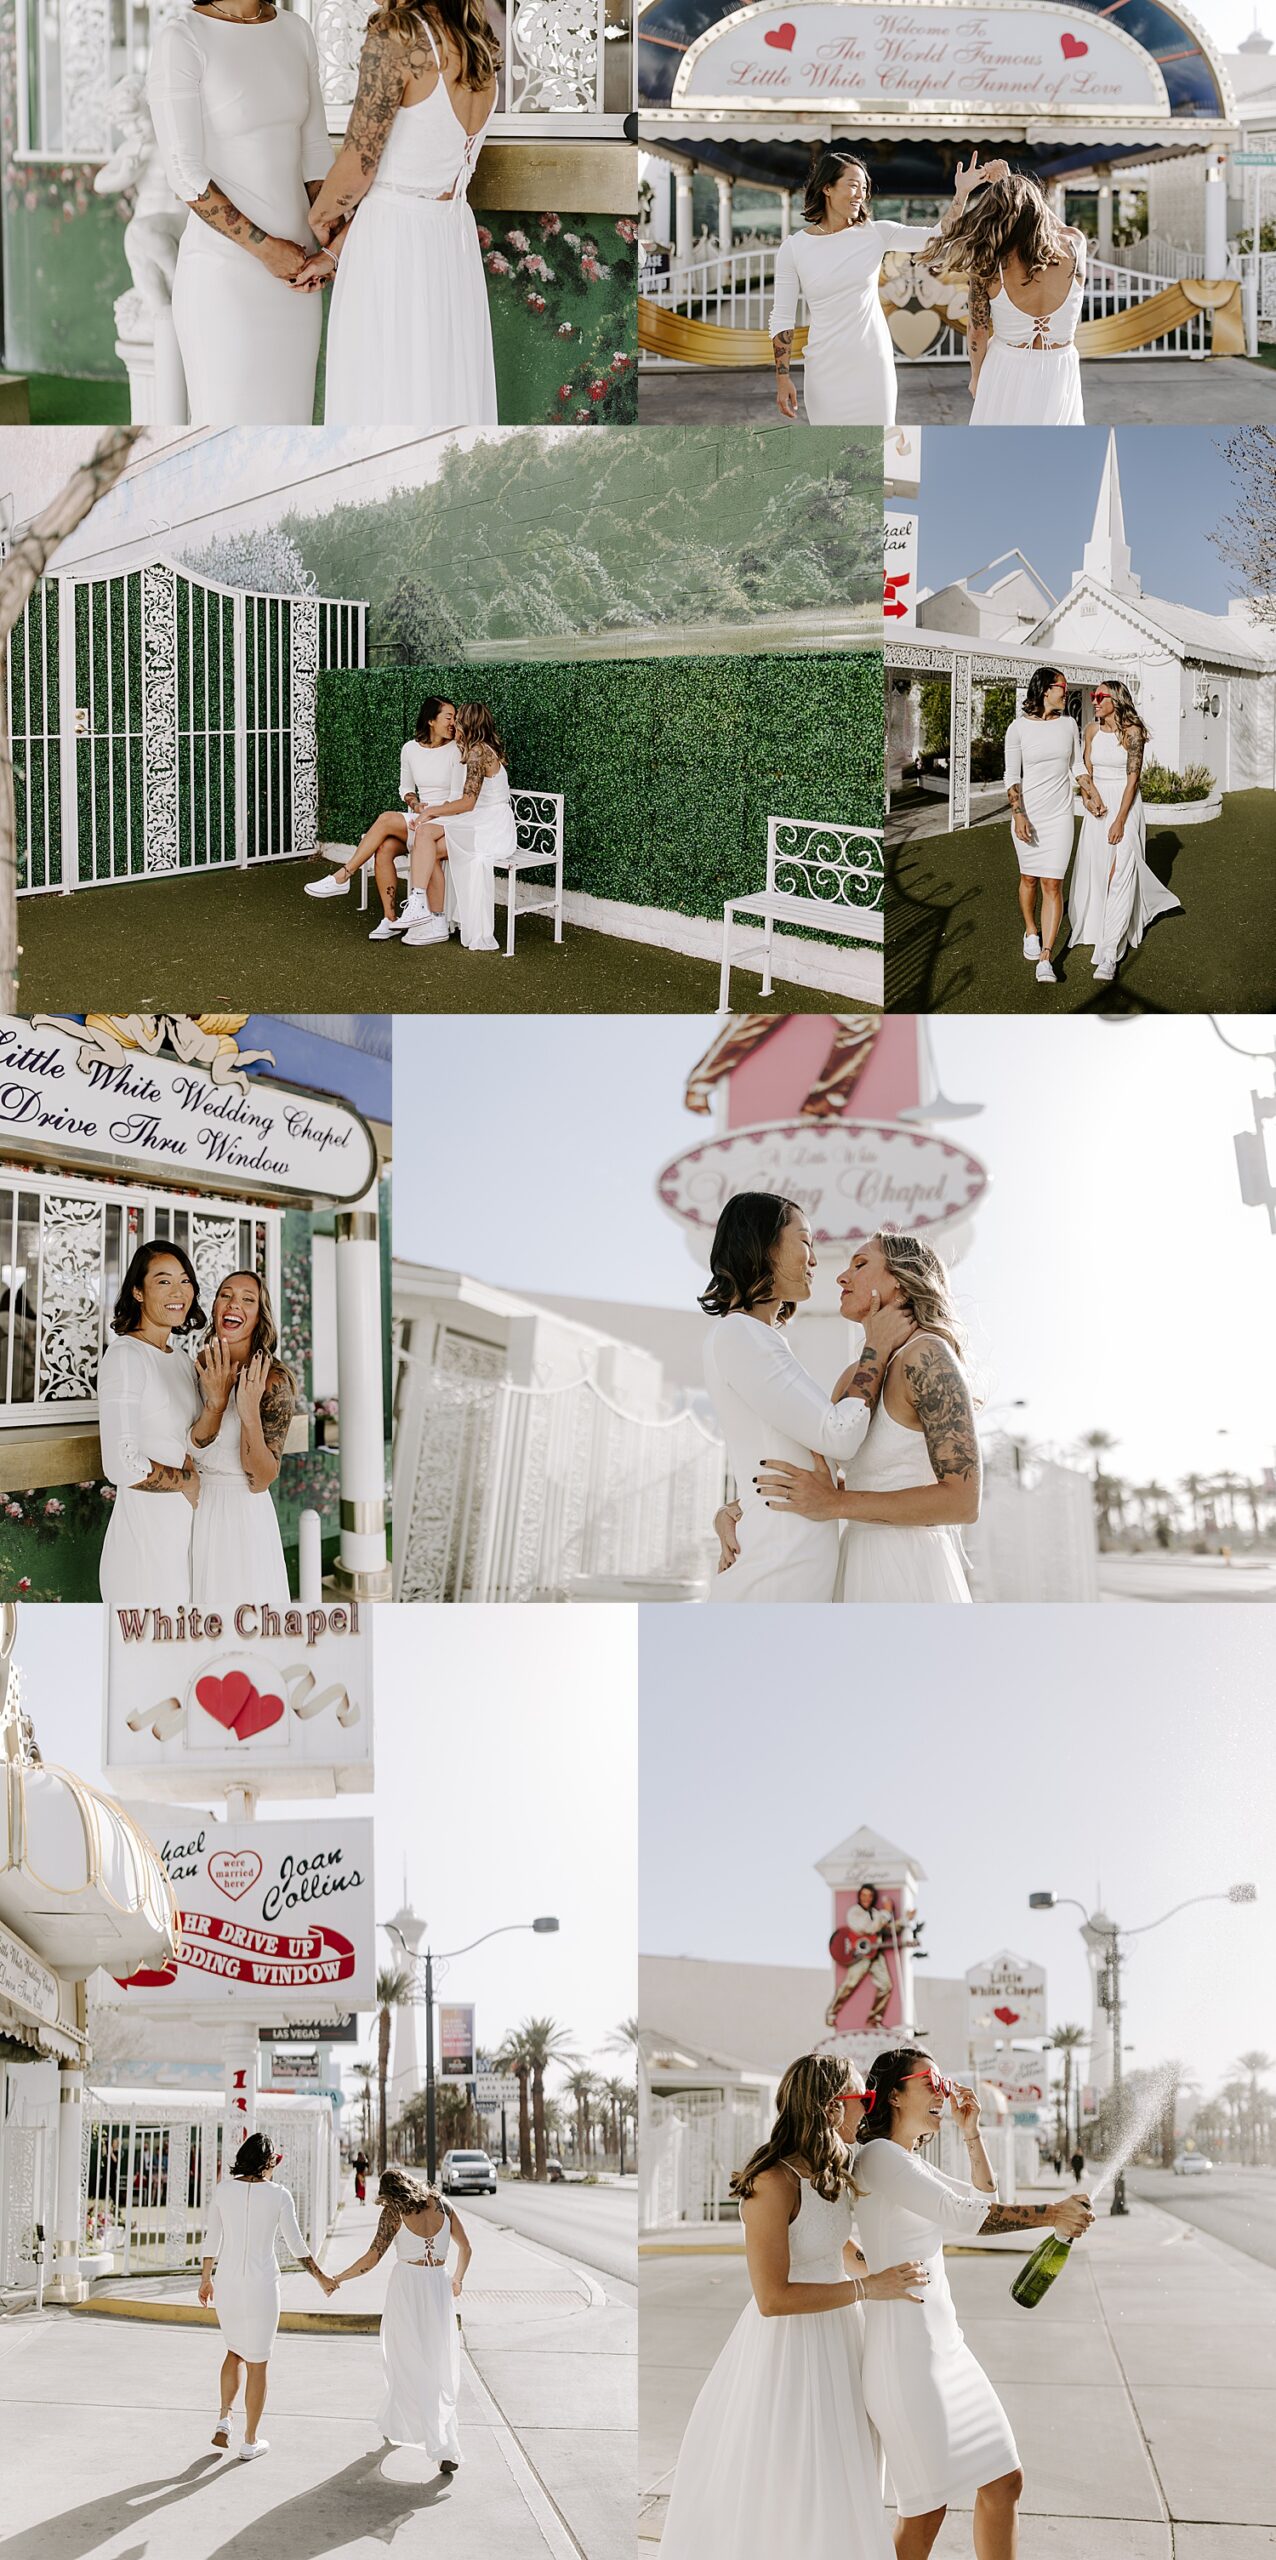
[[769, 1406], [942, 2427], [435, 774], [1044, 758], [1031, 373], [848, 371], [248, 2216], [1114, 895], [240, 106], [421, 2346], [778, 2455], [147, 1401], [410, 337], [877, 1561], [476, 841], [237, 1553]]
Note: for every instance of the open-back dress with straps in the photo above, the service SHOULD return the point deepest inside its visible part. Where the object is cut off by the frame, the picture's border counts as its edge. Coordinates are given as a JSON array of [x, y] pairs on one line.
[[421, 2345], [1031, 373], [410, 339]]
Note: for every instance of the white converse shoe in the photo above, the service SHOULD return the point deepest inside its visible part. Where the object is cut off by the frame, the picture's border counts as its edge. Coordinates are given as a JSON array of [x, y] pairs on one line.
[[221, 2433], [388, 929], [330, 888], [1045, 974], [249, 2452], [430, 929], [415, 909], [1032, 946]]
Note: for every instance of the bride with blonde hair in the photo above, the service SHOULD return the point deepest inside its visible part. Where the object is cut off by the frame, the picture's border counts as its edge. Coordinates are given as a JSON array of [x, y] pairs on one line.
[[410, 337], [1114, 895], [778, 2455], [420, 2324], [1025, 274], [914, 1482]]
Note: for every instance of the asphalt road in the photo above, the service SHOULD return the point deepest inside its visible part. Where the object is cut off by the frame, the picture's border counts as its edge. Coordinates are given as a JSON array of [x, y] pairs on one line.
[[1180, 1577], [1235, 2205], [597, 2227]]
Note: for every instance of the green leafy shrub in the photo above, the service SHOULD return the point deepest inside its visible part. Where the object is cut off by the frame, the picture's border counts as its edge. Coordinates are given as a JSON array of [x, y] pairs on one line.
[[1159, 784]]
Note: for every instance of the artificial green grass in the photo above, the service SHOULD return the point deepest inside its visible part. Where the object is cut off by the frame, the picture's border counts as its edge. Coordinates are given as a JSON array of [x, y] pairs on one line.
[[60, 400], [249, 940], [954, 937]]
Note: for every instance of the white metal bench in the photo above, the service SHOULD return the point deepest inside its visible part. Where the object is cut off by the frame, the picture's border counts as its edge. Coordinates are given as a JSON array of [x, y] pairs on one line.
[[538, 818], [819, 873]]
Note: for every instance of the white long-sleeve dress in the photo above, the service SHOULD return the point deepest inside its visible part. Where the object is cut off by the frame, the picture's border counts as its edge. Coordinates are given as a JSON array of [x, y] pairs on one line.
[[942, 2427], [769, 1406], [248, 2216], [878, 1561], [1031, 373], [778, 2455], [435, 774], [1113, 912], [147, 1401], [410, 337], [240, 106], [1044, 758], [237, 1552], [476, 841], [848, 371], [421, 2346]]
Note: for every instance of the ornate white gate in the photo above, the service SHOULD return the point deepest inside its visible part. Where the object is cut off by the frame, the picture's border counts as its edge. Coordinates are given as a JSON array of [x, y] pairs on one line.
[[152, 2160], [163, 723]]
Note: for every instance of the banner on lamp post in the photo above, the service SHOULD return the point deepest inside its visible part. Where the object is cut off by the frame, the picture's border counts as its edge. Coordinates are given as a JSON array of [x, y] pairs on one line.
[[456, 2040]]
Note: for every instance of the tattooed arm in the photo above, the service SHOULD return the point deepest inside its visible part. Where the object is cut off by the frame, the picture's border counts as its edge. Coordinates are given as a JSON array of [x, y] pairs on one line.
[[781, 325], [1069, 2214], [381, 2239], [385, 67], [936, 1393], [978, 328], [1133, 774], [480, 765], [263, 1401], [175, 96]]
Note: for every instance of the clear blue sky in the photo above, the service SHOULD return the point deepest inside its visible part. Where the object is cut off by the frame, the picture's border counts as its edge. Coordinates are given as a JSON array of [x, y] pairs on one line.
[[1126, 1755], [1003, 491], [1115, 1278]]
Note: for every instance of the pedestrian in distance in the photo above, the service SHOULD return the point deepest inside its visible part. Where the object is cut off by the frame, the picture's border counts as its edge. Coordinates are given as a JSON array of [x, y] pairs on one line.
[[240, 2278], [360, 2165], [1077, 2165]]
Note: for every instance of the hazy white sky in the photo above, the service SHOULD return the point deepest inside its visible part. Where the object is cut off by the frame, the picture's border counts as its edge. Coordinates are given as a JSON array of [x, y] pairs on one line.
[[1009, 1750], [505, 1787], [1115, 1278]]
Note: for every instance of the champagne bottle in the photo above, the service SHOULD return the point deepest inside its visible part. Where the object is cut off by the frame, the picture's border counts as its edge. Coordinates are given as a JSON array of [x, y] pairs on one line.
[[1038, 2272]]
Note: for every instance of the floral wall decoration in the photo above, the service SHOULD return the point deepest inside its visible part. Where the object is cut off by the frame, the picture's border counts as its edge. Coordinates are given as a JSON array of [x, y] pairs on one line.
[[563, 287]]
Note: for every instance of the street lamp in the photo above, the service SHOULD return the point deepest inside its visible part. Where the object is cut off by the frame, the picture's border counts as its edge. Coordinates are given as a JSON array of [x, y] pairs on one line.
[[1110, 1981], [426, 1958]]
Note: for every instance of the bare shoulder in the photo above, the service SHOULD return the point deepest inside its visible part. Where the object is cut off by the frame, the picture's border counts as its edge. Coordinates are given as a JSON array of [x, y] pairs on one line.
[[774, 2188], [927, 1355]]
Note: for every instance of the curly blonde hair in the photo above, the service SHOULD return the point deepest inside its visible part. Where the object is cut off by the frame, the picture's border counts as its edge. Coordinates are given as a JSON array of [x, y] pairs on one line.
[[1010, 218], [924, 1286], [460, 22], [1130, 728], [802, 2129]]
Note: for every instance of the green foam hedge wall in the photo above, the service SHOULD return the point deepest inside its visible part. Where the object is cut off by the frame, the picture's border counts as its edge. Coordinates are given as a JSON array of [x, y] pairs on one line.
[[670, 767]]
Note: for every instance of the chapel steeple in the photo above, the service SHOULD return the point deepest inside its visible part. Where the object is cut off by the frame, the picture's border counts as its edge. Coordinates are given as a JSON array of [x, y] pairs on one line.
[[1107, 553]]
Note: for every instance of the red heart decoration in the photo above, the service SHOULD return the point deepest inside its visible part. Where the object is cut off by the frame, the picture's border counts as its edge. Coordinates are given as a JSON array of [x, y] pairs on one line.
[[784, 38], [234, 1872], [225, 1700], [1008, 2017], [1072, 48], [257, 1716]]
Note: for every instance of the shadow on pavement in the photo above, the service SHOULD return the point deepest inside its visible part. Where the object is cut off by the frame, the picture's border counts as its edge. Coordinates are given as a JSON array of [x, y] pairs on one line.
[[342, 2510]]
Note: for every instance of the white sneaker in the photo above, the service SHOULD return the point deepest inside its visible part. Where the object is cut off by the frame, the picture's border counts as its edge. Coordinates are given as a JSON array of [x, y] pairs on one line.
[[222, 2433], [1032, 946], [388, 928], [432, 929], [1045, 974], [331, 888], [249, 2452], [1104, 969], [415, 908]]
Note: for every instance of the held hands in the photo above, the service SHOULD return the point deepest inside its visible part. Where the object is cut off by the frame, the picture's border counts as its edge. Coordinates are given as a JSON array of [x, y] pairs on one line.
[[905, 2283], [1072, 2215], [282, 258], [319, 270], [323, 225], [724, 1522], [815, 1495]]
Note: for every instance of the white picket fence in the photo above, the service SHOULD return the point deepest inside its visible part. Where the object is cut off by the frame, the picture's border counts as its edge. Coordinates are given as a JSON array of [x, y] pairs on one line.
[[151, 2162]]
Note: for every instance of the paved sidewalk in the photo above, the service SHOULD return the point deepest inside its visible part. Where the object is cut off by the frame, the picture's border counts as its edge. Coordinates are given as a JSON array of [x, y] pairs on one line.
[[1142, 2391], [1118, 391], [105, 2451]]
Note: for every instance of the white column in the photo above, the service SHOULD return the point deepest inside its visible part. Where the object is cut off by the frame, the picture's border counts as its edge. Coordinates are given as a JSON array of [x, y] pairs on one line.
[[1107, 200], [363, 1567], [959, 746], [1215, 220], [786, 213], [659, 177], [726, 197], [684, 222], [65, 2283]]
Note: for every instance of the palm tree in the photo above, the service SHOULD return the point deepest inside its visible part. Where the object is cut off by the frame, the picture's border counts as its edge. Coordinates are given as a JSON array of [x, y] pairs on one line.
[[623, 2037], [514, 2059], [1254, 2065], [394, 1988], [618, 2094], [364, 2071], [581, 2087], [546, 2043], [1065, 2041], [1234, 2095], [1177, 2077], [1194, 1487]]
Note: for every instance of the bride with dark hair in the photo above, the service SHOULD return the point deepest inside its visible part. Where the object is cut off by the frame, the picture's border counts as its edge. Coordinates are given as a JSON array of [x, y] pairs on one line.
[[148, 1398], [420, 2325]]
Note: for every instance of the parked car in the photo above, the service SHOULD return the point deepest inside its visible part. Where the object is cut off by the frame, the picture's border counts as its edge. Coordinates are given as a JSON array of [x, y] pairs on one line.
[[1192, 2164], [467, 2173]]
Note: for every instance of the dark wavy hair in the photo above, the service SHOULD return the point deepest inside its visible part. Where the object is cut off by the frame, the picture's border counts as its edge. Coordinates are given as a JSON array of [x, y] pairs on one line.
[[828, 160], [255, 2155], [265, 1333], [428, 714], [888, 2074], [127, 1315], [1039, 683], [740, 1257]]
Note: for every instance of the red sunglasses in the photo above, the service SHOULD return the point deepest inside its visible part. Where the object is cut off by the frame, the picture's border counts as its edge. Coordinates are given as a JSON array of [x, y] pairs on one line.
[[942, 2087]]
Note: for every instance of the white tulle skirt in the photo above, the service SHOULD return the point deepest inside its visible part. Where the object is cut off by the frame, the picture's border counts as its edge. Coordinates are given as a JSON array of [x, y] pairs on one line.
[[421, 2350], [410, 339], [1113, 914], [880, 1563], [779, 2456], [1028, 387]]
